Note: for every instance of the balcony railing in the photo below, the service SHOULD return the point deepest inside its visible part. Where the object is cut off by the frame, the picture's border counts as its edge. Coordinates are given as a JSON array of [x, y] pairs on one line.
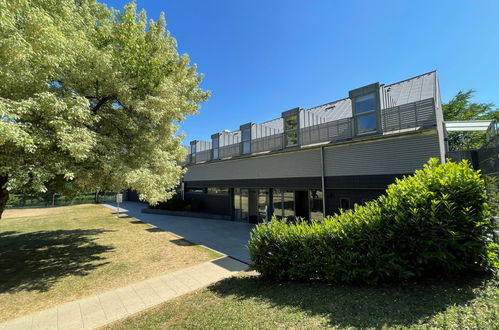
[[415, 115]]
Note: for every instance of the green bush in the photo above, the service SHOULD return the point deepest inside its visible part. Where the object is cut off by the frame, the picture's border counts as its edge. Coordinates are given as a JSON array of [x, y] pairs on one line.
[[433, 223]]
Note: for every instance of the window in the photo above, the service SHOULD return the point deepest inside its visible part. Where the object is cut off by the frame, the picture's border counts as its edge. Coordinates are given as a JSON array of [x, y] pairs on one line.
[[193, 153], [288, 203], [316, 211], [291, 130], [237, 203], [194, 190], [277, 201], [218, 191], [214, 147], [365, 113], [344, 203], [246, 140]]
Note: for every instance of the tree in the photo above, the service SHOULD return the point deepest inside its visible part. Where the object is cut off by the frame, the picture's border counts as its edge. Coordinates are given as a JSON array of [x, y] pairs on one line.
[[461, 108], [90, 100]]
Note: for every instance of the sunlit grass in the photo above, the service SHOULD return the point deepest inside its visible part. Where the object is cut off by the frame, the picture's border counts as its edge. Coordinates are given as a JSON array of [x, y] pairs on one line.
[[50, 256], [248, 302]]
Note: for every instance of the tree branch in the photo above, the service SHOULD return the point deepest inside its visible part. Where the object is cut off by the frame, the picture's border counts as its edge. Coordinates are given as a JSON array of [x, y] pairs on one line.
[[101, 102]]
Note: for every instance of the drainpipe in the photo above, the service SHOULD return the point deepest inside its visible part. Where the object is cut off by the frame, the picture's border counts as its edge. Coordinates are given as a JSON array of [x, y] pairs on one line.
[[323, 183]]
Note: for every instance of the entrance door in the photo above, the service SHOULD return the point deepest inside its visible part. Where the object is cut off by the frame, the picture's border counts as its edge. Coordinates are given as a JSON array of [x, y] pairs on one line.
[[301, 204], [263, 202]]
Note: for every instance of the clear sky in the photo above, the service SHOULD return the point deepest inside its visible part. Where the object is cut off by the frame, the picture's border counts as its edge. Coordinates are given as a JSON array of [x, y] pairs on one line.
[[267, 56]]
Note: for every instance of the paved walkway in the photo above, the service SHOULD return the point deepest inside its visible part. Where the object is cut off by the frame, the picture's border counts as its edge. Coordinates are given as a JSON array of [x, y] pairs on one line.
[[227, 237], [98, 310]]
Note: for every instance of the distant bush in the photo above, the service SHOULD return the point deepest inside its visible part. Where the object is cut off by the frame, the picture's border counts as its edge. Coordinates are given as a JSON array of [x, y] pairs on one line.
[[436, 222]]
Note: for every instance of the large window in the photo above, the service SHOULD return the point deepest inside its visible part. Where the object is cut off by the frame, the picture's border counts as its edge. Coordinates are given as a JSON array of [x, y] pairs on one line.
[[316, 211], [277, 202], [246, 140], [284, 203], [218, 191], [241, 207], [365, 113], [193, 153], [214, 147], [291, 130]]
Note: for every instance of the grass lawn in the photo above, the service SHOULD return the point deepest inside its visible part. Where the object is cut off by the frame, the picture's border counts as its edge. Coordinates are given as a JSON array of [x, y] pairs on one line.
[[50, 256], [248, 302]]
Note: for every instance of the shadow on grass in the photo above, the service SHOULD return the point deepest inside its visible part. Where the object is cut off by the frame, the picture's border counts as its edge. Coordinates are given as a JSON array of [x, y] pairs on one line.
[[354, 306], [182, 242], [35, 261]]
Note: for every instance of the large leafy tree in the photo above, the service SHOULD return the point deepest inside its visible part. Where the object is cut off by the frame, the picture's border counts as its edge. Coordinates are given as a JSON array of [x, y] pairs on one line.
[[461, 108], [89, 99]]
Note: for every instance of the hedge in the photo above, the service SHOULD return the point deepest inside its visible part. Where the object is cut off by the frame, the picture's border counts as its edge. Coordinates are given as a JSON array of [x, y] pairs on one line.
[[434, 223]]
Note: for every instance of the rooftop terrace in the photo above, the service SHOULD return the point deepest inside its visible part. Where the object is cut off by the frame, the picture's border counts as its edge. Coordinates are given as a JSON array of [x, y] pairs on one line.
[[375, 109]]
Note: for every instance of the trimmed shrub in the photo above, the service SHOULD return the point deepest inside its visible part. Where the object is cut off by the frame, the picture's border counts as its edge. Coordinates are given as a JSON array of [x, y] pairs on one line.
[[434, 223]]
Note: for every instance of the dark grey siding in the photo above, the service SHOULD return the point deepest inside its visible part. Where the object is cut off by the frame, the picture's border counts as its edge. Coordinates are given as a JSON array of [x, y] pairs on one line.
[[388, 155], [306, 163], [212, 203], [355, 196]]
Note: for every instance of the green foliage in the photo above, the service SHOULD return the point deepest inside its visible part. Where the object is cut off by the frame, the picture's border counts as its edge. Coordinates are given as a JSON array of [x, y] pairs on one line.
[[436, 222], [461, 108], [19, 201], [90, 98]]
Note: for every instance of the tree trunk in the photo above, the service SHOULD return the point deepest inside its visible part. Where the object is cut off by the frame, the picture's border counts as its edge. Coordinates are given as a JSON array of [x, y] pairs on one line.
[[4, 194]]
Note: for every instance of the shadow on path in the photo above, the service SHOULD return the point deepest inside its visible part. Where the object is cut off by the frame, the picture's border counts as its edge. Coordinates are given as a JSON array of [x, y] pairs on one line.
[[34, 261]]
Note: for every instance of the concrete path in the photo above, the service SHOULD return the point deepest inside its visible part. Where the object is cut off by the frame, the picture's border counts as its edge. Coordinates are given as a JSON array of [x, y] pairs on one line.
[[227, 237], [98, 310]]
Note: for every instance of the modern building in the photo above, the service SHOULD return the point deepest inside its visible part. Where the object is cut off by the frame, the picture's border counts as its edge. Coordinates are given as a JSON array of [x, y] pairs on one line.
[[312, 162]]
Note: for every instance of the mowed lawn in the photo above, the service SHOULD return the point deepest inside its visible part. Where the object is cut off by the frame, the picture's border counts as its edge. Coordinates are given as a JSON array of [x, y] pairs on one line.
[[248, 302], [50, 256]]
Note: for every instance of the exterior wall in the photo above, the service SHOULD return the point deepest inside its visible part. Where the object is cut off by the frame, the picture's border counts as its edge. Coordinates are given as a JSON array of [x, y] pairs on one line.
[[297, 164], [355, 196], [212, 203], [387, 155]]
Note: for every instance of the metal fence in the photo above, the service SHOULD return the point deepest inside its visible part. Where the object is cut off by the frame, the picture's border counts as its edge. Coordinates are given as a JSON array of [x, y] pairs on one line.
[[20, 200], [411, 115], [268, 143], [333, 131]]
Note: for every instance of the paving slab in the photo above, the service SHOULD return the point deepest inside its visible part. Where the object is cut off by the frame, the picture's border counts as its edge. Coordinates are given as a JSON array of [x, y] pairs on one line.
[[228, 237], [101, 309]]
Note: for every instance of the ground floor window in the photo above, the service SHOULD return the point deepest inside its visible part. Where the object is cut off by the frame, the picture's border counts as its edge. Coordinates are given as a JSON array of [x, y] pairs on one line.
[[316, 209], [344, 203], [241, 206], [218, 191], [306, 204]]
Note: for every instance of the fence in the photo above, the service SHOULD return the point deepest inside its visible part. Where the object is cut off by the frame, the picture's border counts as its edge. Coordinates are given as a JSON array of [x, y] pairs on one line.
[[20, 201], [412, 115]]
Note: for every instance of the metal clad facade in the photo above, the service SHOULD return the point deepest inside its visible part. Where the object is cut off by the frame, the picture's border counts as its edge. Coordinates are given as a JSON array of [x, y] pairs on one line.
[[402, 154], [306, 163]]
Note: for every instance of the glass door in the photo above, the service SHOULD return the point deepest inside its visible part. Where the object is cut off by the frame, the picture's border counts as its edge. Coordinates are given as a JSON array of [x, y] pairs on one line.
[[263, 202]]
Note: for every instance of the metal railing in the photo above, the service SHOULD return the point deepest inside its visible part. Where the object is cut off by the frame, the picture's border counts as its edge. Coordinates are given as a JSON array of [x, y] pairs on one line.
[[333, 131], [411, 115], [417, 114]]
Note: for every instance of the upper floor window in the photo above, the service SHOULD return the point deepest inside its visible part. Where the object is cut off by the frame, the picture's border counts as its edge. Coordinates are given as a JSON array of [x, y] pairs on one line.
[[246, 140], [214, 147], [193, 153], [365, 115], [291, 130]]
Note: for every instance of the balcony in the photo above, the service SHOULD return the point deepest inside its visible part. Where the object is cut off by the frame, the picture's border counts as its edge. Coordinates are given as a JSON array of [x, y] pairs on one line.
[[270, 136]]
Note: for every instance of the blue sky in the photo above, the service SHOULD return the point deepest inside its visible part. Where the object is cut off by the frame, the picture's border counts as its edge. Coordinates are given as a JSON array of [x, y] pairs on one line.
[[264, 57]]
